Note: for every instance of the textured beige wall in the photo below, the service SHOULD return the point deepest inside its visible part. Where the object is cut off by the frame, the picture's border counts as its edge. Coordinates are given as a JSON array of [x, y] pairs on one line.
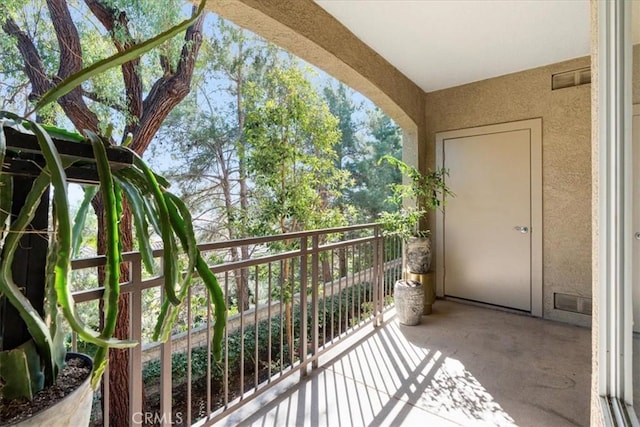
[[566, 140]]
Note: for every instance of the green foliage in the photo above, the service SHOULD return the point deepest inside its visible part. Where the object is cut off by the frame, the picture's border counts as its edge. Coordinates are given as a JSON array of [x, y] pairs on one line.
[[403, 222], [336, 313], [20, 371], [291, 134], [373, 180], [207, 131], [145, 191], [33, 16], [174, 222], [367, 135], [99, 67], [428, 190]]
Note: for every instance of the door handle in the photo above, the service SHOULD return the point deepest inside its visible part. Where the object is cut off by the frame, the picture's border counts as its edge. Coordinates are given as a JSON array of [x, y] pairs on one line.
[[521, 228]]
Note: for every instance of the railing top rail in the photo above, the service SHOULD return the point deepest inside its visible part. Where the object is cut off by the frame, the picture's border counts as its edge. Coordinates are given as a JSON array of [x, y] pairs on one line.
[[280, 237], [99, 260]]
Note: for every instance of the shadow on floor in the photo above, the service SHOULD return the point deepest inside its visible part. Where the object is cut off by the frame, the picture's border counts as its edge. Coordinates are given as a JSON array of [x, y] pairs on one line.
[[464, 365]]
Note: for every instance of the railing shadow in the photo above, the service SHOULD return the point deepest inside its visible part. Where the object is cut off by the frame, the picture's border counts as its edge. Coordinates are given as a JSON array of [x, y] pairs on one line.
[[464, 365], [382, 379]]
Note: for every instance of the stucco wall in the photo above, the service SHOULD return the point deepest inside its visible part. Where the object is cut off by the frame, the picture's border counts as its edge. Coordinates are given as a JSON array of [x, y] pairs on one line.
[[566, 151]]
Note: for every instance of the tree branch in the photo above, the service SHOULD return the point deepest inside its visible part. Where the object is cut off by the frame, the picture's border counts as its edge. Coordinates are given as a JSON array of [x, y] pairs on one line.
[[33, 65], [70, 62], [68, 38], [168, 91], [94, 97], [113, 20]]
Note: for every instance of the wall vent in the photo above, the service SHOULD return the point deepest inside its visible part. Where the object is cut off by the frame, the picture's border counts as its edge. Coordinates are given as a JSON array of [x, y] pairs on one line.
[[581, 76], [572, 303]]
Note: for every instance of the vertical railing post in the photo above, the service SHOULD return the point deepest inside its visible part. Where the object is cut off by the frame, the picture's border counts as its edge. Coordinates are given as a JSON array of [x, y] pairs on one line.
[[166, 381], [378, 275], [303, 305], [189, 362], [135, 355], [315, 273]]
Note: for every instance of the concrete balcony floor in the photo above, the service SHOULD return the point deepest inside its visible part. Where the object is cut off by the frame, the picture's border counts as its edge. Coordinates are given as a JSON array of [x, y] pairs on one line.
[[463, 365]]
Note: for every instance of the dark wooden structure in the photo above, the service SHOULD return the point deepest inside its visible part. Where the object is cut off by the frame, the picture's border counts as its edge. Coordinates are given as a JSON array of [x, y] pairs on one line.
[[24, 161]]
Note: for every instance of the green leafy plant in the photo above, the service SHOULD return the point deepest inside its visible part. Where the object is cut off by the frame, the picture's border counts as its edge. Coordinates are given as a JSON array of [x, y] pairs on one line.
[[429, 191], [36, 364]]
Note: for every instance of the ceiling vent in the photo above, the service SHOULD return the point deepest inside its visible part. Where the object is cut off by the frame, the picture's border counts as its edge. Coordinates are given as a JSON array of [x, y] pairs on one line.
[[581, 76]]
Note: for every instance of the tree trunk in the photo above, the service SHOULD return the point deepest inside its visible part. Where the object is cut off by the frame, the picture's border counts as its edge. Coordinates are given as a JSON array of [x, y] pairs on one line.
[[118, 359], [167, 92], [342, 262], [327, 275]]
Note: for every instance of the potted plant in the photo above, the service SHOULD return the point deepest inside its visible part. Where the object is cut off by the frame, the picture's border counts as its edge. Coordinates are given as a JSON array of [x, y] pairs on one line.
[[45, 156], [37, 362], [429, 192]]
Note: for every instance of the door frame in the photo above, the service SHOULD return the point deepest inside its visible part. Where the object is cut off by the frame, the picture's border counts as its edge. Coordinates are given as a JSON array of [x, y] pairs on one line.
[[535, 128], [634, 252]]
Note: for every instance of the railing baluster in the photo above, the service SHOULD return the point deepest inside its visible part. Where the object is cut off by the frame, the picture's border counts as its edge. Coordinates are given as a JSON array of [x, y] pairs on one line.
[[208, 335], [361, 287], [303, 306], [353, 287], [282, 320], [361, 283], [225, 375], [256, 297], [340, 295], [189, 365], [226, 336], [135, 355], [376, 278], [269, 323], [324, 301], [166, 382], [315, 270], [333, 332]]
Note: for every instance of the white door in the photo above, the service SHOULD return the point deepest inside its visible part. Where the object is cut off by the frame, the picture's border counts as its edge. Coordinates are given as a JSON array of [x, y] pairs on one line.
[[636, 218], [488, 229]]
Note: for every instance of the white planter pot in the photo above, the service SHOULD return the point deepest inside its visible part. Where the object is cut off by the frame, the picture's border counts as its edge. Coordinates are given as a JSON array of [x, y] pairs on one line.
[[408, 296], [417, 252], [73, 410]]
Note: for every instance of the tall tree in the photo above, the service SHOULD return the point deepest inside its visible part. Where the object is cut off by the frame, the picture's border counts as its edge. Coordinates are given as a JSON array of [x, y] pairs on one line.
[[208, 138], [341, 104], [371, 181], [59, 43], [339, 97], [291, 135], [367, 135]]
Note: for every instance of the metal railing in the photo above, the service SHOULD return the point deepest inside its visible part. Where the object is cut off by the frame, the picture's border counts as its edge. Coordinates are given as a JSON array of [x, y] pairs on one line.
[[291, 299]]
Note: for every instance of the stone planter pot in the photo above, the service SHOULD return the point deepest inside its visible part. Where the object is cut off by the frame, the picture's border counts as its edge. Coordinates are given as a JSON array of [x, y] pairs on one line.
[[73, 410], [417, 252], [409, 299]]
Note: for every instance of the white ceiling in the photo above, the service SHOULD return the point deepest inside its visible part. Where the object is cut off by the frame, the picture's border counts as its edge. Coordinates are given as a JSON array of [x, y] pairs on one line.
[[445, 43]]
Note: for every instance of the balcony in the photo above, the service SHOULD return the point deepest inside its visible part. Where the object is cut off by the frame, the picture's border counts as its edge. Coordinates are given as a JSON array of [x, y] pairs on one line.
[[313, 339], [464, 365]]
